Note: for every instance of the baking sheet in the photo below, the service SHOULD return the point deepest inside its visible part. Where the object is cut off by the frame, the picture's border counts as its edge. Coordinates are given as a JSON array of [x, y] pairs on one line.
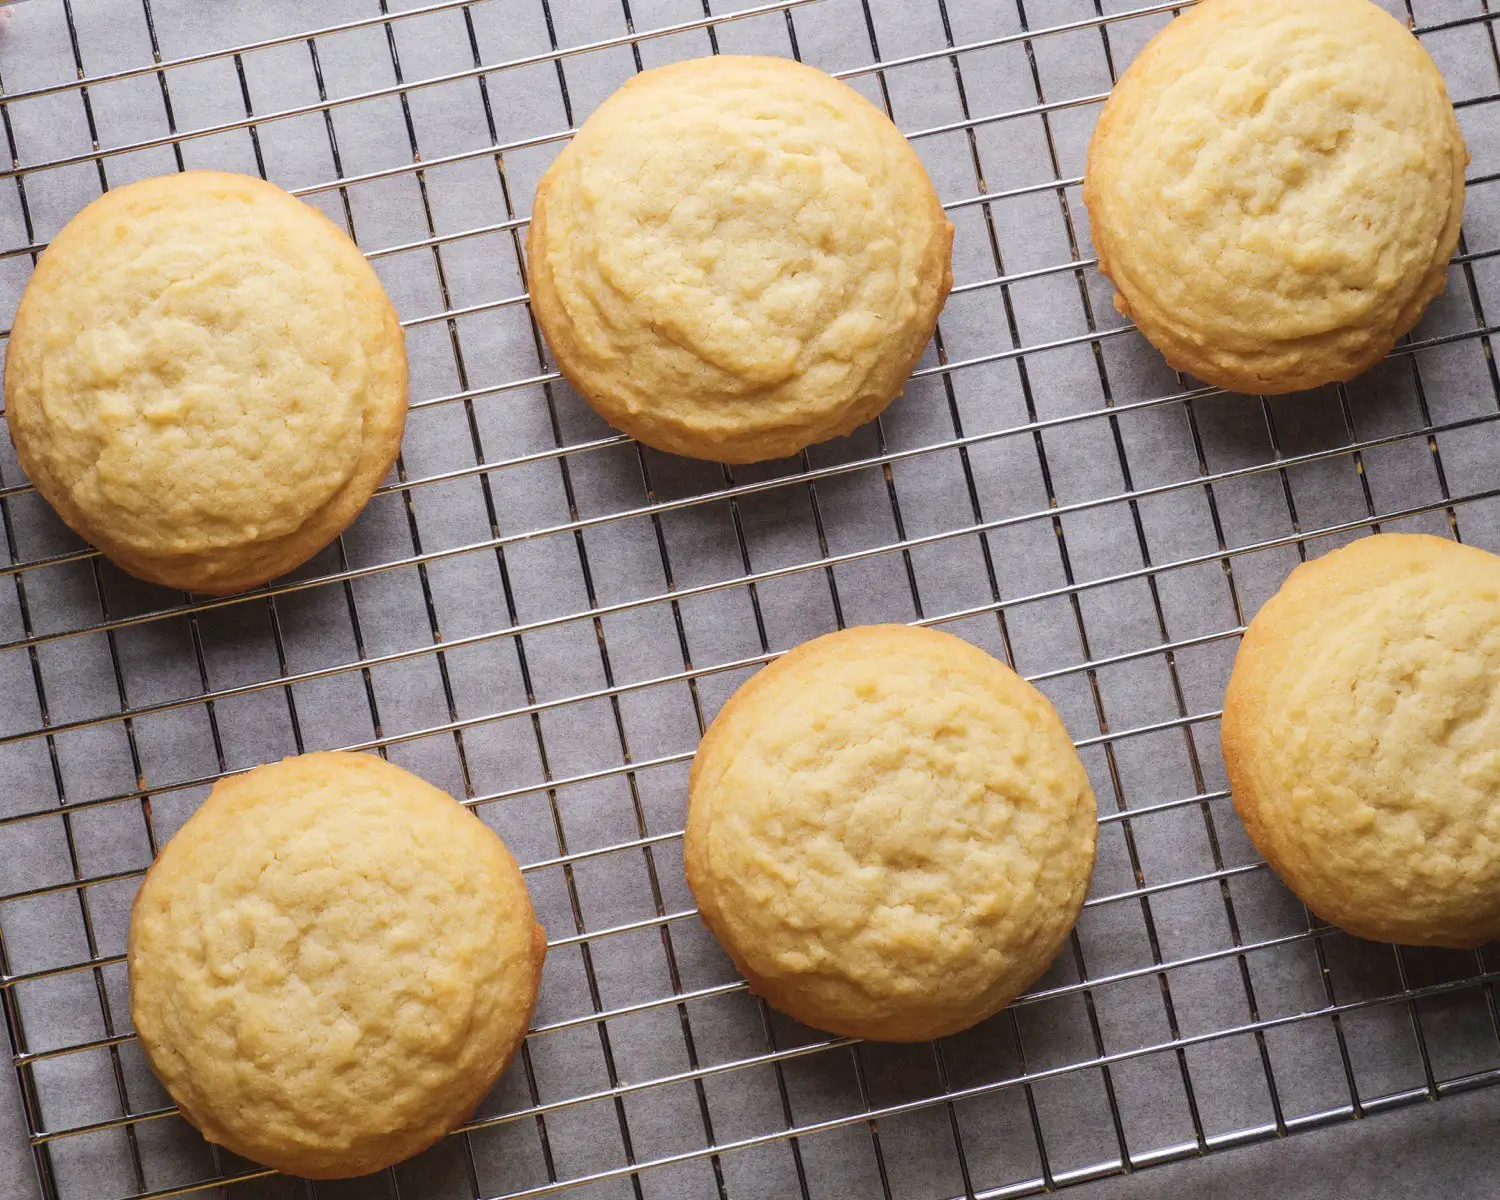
[[999, 498]]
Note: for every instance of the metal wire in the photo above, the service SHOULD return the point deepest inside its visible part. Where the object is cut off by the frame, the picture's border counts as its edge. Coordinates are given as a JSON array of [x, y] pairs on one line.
[[805, 490]]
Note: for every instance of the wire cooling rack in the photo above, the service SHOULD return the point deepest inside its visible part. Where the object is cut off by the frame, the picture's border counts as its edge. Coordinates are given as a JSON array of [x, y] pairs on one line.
[[540, 617]]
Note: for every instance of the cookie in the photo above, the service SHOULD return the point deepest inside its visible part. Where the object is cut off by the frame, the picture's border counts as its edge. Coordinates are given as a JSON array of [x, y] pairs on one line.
[[1362, 738], [889, 832], [1275, 189], [205, 379], [331, 963], [737, 257]]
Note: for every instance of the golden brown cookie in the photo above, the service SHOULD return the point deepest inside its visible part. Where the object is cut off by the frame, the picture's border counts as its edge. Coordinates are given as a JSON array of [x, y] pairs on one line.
[[1362, 738], [331, 963], [737, 257], [890, 832], [205, 379], [1275, 188]]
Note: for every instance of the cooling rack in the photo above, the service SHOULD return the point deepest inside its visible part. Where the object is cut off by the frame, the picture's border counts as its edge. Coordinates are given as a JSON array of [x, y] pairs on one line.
[[539, 616]]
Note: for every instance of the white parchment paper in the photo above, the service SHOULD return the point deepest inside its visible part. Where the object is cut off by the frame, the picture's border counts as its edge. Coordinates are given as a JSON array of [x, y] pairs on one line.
[[1000, 497]]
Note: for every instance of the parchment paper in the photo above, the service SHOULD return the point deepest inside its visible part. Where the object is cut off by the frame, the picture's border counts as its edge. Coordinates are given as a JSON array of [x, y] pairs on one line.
[[1028, 455]]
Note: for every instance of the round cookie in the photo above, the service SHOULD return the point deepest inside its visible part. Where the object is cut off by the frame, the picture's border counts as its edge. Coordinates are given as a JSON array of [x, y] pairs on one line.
[[737, 257], [331, 963], [205, 379], [1275, 190], [890, 833], [1362, 738]]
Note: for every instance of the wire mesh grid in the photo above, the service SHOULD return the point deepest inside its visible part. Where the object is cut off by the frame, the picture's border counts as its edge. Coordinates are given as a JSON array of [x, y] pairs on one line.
[[541, 617]]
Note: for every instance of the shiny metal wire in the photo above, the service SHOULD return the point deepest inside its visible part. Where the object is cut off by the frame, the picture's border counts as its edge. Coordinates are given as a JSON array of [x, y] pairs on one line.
[[1116, 1148]]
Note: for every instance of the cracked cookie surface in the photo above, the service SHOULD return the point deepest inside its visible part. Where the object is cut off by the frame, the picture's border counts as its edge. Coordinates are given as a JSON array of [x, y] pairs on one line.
[[205, 379], [331, 963], [1275, 190], [890, 832], [1362, 738], [736, 257]]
